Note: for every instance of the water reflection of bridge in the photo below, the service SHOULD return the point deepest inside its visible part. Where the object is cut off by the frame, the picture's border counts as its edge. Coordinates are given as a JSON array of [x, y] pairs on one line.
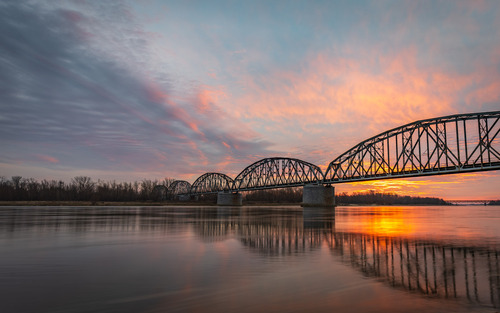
[[431, 268], [454, 269], [439, 269]]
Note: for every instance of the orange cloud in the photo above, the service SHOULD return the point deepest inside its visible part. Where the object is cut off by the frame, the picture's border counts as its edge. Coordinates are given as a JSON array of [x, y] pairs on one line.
[[471, 186], [338, 90]]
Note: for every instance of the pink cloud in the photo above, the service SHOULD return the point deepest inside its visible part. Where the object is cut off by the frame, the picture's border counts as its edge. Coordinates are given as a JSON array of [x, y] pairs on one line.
[[212, 75], [46, 158], [73, 16], [155, 93]]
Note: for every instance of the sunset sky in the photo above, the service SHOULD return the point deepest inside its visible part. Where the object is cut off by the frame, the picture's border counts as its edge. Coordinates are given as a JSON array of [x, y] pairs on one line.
[[132, 90]]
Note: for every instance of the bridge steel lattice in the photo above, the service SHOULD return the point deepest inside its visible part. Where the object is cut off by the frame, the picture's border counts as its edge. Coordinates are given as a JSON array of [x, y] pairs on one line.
[[277, 173], [445, 145], [211, 183], [179, 187]]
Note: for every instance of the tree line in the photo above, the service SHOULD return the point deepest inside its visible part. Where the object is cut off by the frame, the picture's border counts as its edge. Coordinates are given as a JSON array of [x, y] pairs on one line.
[[84, 188], [80, 188], [381, 198], [294, 195]]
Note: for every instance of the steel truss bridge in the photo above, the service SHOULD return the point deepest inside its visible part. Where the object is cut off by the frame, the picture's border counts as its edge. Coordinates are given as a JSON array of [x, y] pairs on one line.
[[451, 144]]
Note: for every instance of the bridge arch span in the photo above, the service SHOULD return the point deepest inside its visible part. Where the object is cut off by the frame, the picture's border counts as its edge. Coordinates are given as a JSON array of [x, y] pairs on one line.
[[179, 187], [277, 173], [211, 183], [444, 145]]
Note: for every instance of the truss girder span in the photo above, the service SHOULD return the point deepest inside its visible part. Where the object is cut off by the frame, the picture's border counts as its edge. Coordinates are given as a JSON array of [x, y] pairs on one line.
[[445, 145], [211, 183], [179, 187], [277, 173]]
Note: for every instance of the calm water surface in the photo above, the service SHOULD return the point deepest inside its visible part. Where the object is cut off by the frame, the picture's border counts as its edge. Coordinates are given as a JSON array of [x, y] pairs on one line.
[[250, 259]]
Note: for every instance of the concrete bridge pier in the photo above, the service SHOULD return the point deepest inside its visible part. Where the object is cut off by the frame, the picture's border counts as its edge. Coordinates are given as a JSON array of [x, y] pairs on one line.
[[229, 198], [318, 196]]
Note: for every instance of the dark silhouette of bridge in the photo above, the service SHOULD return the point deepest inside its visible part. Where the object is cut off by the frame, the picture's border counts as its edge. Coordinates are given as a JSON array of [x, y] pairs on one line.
[[451, 144]]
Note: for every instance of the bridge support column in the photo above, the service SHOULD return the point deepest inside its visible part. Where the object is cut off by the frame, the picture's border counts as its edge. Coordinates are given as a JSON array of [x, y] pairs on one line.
[[229, 198], [318, 196]]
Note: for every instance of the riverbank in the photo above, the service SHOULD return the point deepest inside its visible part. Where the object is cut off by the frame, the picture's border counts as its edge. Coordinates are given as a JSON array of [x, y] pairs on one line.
[[131, 203], [95, 203], [169, 203]]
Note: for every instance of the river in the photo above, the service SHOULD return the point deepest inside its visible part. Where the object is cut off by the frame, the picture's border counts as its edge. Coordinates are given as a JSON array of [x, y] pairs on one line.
[[250, 259]]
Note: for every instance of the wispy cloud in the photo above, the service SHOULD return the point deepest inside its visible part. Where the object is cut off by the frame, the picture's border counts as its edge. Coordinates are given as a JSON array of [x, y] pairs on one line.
[[47, 158], [92, 111]]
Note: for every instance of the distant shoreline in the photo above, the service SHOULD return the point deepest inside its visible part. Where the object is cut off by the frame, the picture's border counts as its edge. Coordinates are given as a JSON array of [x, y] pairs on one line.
[[97, 203], [180, 203]]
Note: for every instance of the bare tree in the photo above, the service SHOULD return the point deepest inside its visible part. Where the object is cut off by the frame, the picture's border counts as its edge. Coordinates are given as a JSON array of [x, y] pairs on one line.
[[84, 186], [16, 180]]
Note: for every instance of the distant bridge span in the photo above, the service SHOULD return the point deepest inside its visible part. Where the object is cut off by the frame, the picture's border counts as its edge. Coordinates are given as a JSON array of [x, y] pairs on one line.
[[211, 183], [272, 173], [451, 144]]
